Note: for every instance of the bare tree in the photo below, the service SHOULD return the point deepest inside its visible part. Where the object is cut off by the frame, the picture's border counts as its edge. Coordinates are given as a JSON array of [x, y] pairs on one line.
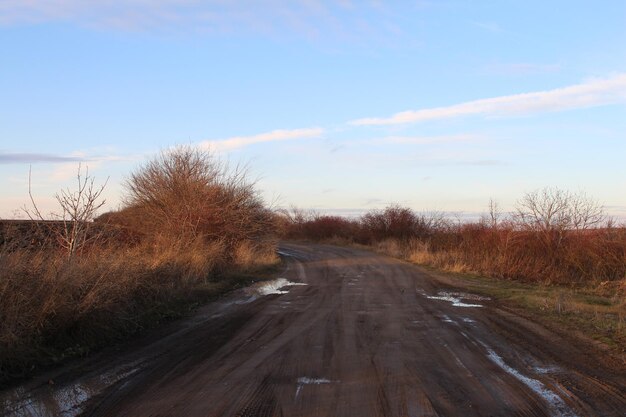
[[555, 209], [78, 207], [552, 212], [585, 213], [494, 213]]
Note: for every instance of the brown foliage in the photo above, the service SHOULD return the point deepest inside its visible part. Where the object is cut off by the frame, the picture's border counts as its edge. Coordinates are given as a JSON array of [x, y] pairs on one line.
[[187, 221], [52, 306], [555, 241], [187, 193]]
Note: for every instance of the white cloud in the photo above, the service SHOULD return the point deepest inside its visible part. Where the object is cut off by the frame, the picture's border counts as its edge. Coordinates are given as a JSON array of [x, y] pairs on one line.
[[425, 140], [237, 142], [64, 172], [597, 92]]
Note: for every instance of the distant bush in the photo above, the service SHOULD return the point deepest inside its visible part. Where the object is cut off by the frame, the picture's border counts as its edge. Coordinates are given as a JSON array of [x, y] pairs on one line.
[[554, 236]]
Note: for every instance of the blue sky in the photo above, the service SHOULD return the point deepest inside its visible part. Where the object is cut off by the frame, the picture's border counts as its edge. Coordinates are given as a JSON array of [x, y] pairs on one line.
[[339, 106]]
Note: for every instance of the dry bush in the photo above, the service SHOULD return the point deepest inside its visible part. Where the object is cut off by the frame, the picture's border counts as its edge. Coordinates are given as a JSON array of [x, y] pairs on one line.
[[393, 222], [189, 222], [555, 237], [54, 308], [328, 227], [251, 256], [187, 193], [299, 224]]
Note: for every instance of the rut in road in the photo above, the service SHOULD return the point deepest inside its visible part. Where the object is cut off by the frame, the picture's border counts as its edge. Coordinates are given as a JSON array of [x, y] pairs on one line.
[[366, 336]]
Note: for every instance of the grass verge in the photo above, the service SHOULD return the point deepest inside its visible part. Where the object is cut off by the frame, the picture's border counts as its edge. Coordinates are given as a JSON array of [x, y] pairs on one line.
[[56, 310], [582, 312]]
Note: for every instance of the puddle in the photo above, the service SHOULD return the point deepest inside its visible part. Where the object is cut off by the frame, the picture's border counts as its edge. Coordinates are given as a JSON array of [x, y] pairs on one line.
[[446, 319], [67, 401], [313, 381], [468, 320], [547, 369], [246, 300], [310, 381], [456, 298], [274, 286], [556, 403]]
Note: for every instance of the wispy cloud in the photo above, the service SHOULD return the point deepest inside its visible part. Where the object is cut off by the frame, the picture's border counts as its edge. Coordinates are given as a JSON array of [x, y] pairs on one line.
[[426, 140], [34, 158], [237, 142], [481, 163], [596, 92], [522, 68], [312, 19]]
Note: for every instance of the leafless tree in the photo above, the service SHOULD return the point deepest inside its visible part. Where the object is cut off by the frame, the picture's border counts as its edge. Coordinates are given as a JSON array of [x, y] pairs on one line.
[[72, 225], [554, 209], [494, 213], [552, 212]]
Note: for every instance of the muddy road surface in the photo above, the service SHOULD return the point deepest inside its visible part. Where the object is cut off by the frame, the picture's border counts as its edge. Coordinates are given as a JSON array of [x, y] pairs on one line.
[[343, 332]]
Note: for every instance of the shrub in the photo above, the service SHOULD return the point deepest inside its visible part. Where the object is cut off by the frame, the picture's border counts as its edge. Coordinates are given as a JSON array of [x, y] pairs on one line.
[[187, 223], [186, 193]]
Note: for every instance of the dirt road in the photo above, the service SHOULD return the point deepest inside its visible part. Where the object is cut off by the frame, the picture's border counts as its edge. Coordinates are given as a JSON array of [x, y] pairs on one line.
[[359, 335]]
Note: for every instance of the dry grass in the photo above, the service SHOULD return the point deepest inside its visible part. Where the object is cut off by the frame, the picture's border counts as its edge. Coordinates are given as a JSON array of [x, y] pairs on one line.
[[191, 229], [585, 311], [595, 309], [250, 256], [510, 250], [53, 308]]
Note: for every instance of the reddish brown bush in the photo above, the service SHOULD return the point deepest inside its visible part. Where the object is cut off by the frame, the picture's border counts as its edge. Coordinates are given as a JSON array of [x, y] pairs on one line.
[[187, 220], [186, 193], [556, 241]]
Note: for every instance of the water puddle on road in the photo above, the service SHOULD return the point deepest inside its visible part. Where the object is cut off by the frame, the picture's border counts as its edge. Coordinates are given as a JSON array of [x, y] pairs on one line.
[[67, 401], [547, 369], [275, 286], [310, 381], [447, 319], [554, 400], [457, 298]]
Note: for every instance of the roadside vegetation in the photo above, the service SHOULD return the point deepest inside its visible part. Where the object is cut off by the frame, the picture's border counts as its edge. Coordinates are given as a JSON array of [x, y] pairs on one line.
[[557, 255], [189, 229]]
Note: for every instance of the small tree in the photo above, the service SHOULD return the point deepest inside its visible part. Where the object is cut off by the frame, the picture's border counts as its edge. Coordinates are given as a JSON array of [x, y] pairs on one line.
[[551, 212], [494, 216], [78, 207]]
